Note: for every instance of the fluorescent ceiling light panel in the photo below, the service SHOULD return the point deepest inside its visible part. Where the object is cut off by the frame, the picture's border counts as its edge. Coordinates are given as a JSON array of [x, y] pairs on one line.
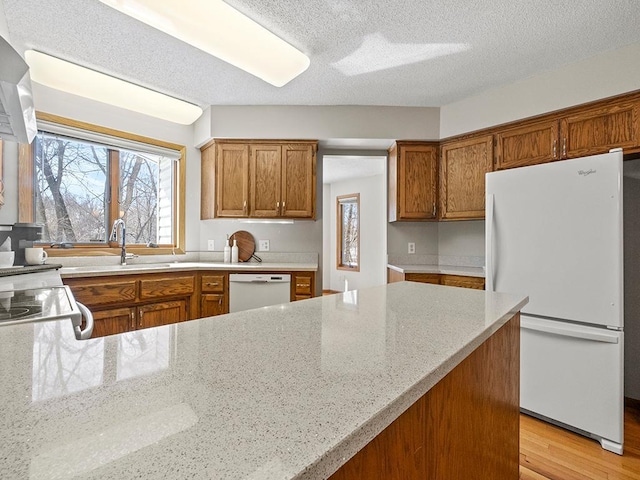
[[220, 30], [72, 78]]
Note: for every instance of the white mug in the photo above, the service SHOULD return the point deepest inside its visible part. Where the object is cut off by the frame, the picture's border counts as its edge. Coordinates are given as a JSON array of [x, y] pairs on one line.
[[35, 255]]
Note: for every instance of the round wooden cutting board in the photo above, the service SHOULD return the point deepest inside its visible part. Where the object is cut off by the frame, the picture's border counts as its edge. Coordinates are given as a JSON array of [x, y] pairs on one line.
[[246, 244]]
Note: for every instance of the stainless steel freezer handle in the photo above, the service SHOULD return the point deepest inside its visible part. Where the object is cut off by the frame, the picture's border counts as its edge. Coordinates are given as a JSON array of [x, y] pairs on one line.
[[88, 316], [569, 330]]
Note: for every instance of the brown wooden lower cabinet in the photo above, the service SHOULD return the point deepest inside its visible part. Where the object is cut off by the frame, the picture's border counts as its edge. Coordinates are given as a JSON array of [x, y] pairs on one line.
[[212, 304], [465, 427], [164, 313], [463, 281], [122, 303], [302, 285], [437, 279], [110, 322]]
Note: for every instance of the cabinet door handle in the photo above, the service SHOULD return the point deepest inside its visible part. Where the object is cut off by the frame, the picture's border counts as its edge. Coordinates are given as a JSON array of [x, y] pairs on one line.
[[554, 149], [133, 320], [220, 301], [434, 210], [564, 147], [244, 206]]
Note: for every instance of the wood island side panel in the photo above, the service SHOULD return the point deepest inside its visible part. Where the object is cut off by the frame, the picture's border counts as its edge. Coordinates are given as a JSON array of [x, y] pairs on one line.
[[465, 427]]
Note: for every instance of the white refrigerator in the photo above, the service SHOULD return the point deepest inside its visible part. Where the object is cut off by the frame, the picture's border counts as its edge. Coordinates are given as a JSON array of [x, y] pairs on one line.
[[554, 233]]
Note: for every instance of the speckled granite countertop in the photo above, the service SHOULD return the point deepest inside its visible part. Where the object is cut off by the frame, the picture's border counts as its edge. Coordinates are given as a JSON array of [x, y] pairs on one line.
[[445, 269], [283, 392], [103, 270]]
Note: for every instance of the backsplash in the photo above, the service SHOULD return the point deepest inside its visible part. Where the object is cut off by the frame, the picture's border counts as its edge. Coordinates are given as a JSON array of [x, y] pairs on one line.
[[216, 257]]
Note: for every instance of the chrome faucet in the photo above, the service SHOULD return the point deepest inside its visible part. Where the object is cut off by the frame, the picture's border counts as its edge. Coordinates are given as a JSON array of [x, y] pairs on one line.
[[114, 238]]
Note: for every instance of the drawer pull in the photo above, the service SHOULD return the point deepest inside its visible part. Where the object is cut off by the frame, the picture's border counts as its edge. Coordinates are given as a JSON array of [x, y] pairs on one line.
[[212, 284], [302, 284]]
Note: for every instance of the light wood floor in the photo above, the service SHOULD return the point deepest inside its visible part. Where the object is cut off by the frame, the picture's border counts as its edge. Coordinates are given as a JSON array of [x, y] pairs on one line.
[[549, 452]]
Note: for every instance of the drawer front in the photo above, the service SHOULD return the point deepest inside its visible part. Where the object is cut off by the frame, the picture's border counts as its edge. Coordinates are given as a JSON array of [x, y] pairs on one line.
[[462, 281], [212, 283], [423, 277], [303, 285], [92, 294], [166, 287]]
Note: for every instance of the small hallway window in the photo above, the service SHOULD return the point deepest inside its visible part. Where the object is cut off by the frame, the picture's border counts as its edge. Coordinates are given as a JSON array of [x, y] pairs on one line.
[[348, 216]]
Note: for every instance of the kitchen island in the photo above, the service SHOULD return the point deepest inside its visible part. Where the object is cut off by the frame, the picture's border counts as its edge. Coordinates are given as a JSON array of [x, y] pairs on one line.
[[284, 392]]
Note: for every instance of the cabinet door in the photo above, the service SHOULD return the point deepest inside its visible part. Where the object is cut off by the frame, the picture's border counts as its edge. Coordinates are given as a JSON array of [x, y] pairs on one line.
[[265, 180], [416, 177], [423, 277], [162, 313], [110, 322], [302, 285], [464, 164], [232, 170], [298, 181], [598, 130], [212, 304], [462, 281], [527, 145]]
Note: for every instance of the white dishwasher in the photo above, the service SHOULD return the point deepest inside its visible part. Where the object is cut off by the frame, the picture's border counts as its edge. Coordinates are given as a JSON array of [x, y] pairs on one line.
[[247, 290]]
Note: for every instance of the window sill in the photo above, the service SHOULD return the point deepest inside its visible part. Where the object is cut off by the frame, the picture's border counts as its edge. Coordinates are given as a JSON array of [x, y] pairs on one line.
[[109, 252]]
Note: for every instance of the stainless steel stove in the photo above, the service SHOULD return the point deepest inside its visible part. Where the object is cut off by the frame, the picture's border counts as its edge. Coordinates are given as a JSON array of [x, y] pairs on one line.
[[50, 300]]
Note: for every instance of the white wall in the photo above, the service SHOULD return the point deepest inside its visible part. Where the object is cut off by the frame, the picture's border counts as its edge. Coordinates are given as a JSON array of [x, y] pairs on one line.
[[326, 238], [373, 261], [461, 239], [632, 287], [601, 76], [423, 234], [319, 122]]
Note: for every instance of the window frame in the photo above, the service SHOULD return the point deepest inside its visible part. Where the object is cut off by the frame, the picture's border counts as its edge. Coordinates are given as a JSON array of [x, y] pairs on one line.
[[340, 265], [26, 192]]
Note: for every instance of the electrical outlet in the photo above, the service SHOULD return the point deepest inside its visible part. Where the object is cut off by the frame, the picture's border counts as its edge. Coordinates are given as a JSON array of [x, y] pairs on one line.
[[412, 247], [263, 245], [211, 245]]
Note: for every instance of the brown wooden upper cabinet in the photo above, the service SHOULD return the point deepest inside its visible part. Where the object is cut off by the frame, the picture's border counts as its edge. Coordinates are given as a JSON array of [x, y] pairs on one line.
[[259, 179], [463, 164], [527, 145], [597, 130], [413, 181], [232, 185]]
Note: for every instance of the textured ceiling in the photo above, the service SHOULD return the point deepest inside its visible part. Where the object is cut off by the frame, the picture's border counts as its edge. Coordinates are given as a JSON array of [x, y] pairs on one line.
[[405, 53], [338, 168]]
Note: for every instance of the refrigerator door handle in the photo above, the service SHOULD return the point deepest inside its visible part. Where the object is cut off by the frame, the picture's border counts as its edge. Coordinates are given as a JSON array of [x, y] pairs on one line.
[[569, 330], [489, 270]]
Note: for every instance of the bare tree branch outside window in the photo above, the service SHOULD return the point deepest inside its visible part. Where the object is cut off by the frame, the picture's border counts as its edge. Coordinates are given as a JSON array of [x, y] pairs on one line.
[[72, 190], [348, 241]]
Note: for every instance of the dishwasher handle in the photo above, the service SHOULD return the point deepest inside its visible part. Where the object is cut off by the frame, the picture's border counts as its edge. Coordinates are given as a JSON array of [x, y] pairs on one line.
[[258, 278]]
